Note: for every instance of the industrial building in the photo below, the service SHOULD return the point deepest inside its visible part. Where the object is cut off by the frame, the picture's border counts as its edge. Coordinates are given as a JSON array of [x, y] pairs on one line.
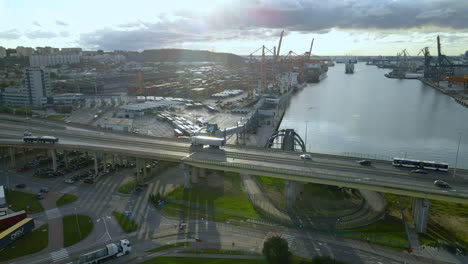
[[119, 124]]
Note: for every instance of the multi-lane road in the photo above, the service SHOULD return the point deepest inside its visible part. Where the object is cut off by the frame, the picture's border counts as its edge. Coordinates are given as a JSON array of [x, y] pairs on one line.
[[323, 169]]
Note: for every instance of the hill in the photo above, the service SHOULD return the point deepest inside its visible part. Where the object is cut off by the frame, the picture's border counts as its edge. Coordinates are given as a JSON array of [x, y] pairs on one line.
[[178, 55]]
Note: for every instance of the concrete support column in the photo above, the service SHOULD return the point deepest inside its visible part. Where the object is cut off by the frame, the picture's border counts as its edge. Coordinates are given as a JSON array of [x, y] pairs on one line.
[[145, 173], [151, 168], [104, 161], [186, 170], [137, 163], [12, 157], [95, 163], [65, 158], [420, 208], [53, 155], [194, 177], [292, 191], [120, 160], [86, 154], [25, 161], [113, 162], [201, 172]]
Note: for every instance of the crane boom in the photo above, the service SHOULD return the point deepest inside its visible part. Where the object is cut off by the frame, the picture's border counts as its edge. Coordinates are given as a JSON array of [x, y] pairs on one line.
[[279, 45]]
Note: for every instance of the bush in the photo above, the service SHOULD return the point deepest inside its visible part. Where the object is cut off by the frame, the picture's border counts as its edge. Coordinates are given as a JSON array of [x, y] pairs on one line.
[[63, 109], [276, 250], [127, 224]]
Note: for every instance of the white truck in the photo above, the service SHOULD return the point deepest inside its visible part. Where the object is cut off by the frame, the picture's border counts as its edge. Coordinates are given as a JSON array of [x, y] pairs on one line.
[[112, 250], [213, 142]]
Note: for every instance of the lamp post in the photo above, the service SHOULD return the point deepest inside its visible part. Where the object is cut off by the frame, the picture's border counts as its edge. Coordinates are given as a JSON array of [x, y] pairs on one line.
[[456, 158], [307, 123]]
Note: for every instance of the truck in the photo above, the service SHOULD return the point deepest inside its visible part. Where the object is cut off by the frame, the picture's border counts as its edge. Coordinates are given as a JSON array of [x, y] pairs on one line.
[[15, 232], [112, 250], [9, 220], [3, 203], [213, 142]]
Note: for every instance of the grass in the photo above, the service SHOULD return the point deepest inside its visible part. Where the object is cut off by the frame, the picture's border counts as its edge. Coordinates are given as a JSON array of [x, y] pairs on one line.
[[21, 200], [127, 188], [388, 232], [127, 224], [324, 191], [214, 251], [166, 247], [31, 243], [66, 199], [272, 183], [76, 228], [222, 203], [56, 117]]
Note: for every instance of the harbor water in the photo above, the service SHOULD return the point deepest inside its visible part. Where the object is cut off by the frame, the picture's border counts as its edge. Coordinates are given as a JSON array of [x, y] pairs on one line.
[[366, 114]]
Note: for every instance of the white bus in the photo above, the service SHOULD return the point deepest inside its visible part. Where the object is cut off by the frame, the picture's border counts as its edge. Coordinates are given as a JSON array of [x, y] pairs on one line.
[[429, 165]]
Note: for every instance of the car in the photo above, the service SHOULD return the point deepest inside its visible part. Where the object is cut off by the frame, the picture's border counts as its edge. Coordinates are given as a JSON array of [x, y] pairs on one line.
[[420, 171], [142, 185], [306, 156], [27, 133], [364, 162], [22, 169], [441, 183], [44, 190], [20, 185], [70, 181], [39, 196], [89, 180]]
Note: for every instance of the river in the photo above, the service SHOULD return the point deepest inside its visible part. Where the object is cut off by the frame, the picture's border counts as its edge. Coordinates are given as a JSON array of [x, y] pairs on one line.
[[367, 114]]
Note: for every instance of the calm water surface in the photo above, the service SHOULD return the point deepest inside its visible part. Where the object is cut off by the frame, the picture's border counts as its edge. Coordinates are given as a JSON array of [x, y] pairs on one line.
[[367, 113]]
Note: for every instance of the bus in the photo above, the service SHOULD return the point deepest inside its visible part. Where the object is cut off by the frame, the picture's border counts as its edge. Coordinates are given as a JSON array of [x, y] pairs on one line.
[[429, 165]]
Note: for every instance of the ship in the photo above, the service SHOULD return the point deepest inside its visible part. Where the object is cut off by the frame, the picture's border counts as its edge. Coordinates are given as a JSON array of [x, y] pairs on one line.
[[315, 72], [349, 67]]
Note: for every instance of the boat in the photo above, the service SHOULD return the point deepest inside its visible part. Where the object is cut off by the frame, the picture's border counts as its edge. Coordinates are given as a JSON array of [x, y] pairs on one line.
[[315, 72], [349, 67]]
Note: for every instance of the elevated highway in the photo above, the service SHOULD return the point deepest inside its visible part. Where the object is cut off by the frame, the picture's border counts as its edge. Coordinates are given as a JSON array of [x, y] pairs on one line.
[[323, 169]]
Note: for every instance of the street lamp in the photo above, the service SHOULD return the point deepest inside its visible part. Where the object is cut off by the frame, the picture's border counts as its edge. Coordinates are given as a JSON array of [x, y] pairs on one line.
[[460, 133]]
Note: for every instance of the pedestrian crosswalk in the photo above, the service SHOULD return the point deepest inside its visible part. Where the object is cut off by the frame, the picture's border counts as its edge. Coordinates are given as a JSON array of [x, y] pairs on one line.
[[53, 213], [288, 238], [59, 255]]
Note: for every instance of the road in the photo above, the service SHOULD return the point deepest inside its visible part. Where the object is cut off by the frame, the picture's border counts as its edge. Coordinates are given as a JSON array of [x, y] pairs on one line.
[[322, 169]]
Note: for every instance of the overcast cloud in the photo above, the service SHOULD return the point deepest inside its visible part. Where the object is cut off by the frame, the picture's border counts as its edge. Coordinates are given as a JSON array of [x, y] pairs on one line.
[[61, 23], [243, 19], [10, 34], [39, 34]]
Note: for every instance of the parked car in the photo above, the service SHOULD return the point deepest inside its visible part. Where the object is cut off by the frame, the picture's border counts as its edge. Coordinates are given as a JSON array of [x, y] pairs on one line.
[[39, 196], [364, 162], [441, 183], [20, 185], [44, 190], [70, 181], [89, 180], [22, 169], [306, 156], [420, 171]]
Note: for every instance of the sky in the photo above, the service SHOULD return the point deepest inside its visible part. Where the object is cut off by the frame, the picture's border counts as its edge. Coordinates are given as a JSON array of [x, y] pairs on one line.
[[339, 27]]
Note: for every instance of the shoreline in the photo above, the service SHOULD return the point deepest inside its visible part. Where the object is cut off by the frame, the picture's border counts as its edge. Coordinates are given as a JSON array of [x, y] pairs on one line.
[[442, 90]]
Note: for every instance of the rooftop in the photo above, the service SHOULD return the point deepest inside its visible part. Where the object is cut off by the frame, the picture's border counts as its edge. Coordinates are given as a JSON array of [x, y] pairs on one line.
[[120, 121]]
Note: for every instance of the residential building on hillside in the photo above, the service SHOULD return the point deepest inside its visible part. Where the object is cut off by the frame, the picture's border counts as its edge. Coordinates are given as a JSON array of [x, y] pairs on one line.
[[3, 53]]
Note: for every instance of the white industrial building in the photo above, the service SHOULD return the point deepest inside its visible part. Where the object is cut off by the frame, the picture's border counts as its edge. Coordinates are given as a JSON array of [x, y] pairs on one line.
[[119, 124], [54, 59]]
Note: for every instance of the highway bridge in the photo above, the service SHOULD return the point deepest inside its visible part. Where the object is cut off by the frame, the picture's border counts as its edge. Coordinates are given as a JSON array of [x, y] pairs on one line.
[[322, 169]]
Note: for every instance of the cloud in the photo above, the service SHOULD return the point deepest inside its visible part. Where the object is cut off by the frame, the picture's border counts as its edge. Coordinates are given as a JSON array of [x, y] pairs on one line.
[[64, 33], [61, 23], [264, 20], [10, 34], [36, 24], [37, 34]]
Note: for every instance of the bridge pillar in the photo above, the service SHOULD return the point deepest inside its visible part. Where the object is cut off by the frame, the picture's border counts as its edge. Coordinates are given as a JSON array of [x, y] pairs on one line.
[[95, 163], [194, 177], [86, 155], [292, 191], [12, 157], [151, 168], [137, 166], [421, 213], [25, 161], [113, 162], [201, 173], [53, 155], [186, 170], [145, 172], [65, 158]]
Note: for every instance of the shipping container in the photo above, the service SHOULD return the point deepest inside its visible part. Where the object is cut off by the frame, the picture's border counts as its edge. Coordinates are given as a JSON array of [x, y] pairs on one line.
[[16, 232]]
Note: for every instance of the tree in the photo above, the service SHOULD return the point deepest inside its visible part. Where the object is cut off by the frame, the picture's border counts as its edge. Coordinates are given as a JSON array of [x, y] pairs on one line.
[[276, 250]]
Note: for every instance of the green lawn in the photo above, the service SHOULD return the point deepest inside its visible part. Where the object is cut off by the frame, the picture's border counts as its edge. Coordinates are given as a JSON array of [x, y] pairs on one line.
[[66, 199], [21, 200], [127, 224], [56, 117], [76, 228], [271, 183], [389, 232], [166, 247], [221, 203], [214, 251], [31, 243], [127, 188]]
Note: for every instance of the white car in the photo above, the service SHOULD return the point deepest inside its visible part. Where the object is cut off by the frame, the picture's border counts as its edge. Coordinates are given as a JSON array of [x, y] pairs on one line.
[[70, 181], [306, 156]]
